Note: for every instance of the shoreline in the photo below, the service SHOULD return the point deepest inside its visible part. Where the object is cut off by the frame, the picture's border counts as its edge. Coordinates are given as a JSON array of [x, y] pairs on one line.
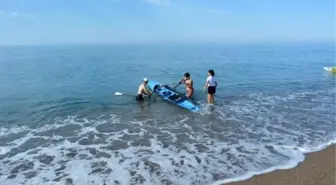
[[318, 168]]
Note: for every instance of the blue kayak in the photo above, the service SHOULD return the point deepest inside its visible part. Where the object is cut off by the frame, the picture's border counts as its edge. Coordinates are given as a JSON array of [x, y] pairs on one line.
[[170, 95]]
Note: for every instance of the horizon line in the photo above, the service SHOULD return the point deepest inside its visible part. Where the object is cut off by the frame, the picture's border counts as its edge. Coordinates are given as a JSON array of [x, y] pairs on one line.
[[173, 43]]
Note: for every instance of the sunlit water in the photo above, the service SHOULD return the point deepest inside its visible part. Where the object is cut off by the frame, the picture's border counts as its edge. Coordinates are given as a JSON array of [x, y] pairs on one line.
[[60, 122]]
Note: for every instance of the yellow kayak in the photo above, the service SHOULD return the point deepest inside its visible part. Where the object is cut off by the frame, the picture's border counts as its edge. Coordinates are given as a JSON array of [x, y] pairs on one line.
[[330, 69]]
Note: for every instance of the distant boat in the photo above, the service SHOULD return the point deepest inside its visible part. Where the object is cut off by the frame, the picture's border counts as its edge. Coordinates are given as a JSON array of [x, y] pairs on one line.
[[330, 69]]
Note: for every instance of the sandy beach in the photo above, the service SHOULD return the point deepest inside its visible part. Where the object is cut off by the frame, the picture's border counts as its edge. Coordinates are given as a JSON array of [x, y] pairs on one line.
[[317, 169]]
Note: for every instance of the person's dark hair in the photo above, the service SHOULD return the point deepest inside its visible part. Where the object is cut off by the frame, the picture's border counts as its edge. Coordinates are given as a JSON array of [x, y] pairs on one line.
[[212, 72], [187, 75]]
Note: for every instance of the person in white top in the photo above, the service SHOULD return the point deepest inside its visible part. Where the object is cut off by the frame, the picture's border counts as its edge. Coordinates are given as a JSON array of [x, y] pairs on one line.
[[211, 84], [143, 90]]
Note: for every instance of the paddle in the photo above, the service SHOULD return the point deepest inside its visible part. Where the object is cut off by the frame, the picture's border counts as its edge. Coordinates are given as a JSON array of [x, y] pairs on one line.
[[121, 94], [176, 85]]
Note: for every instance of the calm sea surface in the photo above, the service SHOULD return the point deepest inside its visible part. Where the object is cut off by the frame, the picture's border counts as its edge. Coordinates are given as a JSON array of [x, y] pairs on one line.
[[60, 122]]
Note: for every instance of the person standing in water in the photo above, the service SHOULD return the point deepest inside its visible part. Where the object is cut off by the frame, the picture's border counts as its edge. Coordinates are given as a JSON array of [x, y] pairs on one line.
[[211, 84], [189, 84], [143, 90]]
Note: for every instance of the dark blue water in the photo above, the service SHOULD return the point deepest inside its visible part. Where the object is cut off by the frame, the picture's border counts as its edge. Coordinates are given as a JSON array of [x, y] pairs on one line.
[[60, 121]]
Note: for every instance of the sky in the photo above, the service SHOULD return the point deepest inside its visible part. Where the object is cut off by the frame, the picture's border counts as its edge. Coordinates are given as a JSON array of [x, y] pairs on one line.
[[25, 22]]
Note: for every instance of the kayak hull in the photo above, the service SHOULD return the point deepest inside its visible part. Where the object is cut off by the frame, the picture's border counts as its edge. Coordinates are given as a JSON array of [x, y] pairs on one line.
[[330, 69], [172, 96]]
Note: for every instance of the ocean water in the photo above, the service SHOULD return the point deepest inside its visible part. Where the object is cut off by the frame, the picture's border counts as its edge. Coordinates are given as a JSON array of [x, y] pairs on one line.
[[60, 122]]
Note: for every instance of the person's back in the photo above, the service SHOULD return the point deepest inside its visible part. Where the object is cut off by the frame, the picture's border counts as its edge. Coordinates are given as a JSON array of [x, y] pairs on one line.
[[142, 90], [211, 84], [211, 81], [189, 87], [188, 84]]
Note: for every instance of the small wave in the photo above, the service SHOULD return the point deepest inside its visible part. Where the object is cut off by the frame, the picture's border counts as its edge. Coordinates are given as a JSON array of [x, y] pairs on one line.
[[228, 142]]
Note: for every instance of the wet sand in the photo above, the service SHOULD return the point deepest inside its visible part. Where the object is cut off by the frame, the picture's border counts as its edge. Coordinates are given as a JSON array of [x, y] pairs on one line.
[[318, 168]]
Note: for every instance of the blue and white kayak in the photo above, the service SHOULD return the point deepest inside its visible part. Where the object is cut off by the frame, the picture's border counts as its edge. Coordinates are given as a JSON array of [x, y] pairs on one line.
[[172, 96]]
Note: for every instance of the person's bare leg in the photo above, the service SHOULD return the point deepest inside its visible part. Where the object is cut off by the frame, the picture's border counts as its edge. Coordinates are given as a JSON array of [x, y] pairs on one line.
[[211, 99]]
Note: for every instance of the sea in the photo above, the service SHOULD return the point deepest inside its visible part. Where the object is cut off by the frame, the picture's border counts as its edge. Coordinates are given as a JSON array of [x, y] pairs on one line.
[[62, 124]]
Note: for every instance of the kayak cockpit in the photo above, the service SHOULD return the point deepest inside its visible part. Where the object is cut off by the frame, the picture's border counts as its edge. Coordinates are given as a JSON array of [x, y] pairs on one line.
[[171, 95]]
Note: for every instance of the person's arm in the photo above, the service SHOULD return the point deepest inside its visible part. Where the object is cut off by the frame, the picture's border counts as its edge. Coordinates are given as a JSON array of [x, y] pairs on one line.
[[206, 84], [182, 80], [146, 90]]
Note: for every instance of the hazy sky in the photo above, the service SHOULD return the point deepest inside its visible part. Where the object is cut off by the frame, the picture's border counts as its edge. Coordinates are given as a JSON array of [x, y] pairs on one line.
[[108, 21]]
